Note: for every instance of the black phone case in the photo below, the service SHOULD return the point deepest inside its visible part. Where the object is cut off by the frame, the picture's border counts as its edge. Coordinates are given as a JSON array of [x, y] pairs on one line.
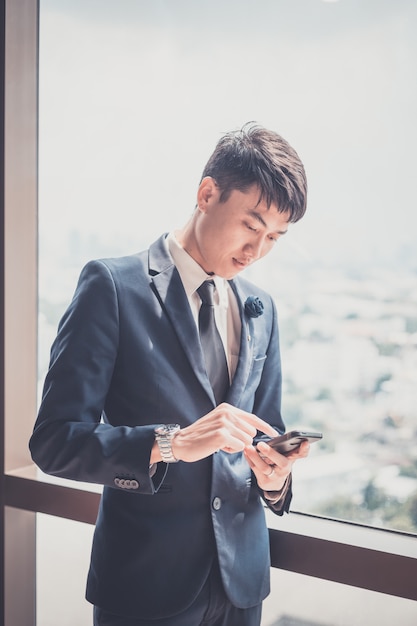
[[284, 444]]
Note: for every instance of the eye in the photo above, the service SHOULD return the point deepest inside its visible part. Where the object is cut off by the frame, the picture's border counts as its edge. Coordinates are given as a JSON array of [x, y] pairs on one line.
[[251, 228]]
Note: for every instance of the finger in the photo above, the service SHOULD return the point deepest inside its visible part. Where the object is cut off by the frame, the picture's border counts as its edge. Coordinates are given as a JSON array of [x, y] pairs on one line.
[[264, 464], [248, 422], [256, 463], [227, 433], [258, 423], [269, 477], [301, 452], [267, 452]]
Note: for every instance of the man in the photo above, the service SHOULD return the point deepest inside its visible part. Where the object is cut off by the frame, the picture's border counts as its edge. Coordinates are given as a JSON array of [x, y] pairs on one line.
[[166, 406]]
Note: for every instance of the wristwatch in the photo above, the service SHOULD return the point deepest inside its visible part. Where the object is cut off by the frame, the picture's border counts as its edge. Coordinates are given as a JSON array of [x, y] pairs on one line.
[[164, 435]]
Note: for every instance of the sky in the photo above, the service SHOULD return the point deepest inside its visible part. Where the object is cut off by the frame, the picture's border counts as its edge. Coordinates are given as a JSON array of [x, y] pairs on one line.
[[134, 94]]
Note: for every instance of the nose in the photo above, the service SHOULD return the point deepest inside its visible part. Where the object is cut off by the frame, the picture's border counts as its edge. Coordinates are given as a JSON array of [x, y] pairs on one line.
[[254, 249]]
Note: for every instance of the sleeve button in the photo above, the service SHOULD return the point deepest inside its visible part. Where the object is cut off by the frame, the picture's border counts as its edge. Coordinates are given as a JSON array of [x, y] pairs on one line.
[[217, 503]]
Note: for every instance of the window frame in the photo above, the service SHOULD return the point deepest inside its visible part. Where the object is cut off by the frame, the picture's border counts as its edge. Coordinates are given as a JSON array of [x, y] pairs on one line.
[[344, 552]]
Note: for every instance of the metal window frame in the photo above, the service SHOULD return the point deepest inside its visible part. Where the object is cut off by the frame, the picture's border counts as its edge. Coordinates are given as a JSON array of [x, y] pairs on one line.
[[342, 552]]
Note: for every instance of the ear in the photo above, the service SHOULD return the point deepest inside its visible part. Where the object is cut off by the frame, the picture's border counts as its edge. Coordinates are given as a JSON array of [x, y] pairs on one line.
[[207, 192]]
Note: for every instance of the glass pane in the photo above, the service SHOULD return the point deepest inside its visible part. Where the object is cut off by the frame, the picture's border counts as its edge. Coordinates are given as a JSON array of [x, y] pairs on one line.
[[63, 549], [297, 600], [63, 555], [133, 97]]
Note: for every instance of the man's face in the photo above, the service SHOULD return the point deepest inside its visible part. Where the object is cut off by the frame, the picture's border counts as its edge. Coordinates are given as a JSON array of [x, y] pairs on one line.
[[228, 236]]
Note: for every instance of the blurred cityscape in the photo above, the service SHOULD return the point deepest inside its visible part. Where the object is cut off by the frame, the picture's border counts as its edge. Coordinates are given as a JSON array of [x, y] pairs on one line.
[[349, 353]]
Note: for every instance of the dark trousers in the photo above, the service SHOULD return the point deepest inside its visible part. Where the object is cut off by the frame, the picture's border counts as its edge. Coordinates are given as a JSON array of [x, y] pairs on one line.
[[211, 608]]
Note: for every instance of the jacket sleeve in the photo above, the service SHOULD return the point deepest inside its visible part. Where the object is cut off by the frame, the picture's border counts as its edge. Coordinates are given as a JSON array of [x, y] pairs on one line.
[[281, 503], [71, 438]]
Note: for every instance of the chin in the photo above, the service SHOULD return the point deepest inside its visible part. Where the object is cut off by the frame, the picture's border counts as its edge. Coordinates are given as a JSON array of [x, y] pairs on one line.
[[228, 273]]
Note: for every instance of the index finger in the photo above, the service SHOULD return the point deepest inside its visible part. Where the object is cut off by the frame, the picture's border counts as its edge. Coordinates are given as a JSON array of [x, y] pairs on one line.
[[259, 424]]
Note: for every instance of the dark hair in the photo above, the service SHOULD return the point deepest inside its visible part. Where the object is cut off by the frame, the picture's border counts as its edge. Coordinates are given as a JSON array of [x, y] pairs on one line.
[[257, 156]]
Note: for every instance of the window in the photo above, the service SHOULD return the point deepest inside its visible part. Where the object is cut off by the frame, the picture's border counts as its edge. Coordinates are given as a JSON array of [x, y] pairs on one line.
[[144, 90]]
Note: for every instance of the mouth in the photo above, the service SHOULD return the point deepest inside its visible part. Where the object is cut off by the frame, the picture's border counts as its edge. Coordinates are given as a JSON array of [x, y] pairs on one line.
[[241, 264]]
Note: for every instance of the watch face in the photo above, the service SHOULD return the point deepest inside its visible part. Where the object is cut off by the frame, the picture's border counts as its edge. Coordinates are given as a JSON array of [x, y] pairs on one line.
[[167, 429]]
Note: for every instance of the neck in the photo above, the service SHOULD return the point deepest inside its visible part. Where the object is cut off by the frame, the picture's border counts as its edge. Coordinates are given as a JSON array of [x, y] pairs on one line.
[[187, 240]]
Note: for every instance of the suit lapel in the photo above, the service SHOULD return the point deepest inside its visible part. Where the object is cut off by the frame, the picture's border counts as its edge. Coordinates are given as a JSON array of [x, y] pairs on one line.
[[168, 285], [246, 348]]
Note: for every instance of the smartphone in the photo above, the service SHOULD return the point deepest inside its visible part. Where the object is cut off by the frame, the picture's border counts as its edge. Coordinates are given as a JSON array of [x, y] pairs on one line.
[[284, 444]]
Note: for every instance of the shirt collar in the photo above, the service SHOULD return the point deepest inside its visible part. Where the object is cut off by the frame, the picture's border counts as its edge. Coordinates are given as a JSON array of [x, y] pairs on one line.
[[191, 273]]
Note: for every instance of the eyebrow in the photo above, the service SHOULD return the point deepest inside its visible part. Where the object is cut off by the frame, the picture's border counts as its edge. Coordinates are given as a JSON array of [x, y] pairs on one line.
[[257, 216]]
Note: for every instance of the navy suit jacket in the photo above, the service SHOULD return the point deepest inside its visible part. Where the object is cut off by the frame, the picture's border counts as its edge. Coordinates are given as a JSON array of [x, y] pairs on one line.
[[127, 357]]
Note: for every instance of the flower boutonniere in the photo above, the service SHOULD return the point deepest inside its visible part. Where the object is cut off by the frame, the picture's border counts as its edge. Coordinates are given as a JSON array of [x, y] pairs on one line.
[[253, 306]]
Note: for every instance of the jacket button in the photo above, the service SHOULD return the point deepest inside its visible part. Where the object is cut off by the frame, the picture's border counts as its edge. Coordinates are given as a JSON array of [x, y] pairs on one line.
[[217, 503]]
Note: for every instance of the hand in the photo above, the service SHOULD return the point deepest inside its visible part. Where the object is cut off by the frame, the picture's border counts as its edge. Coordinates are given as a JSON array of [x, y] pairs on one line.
[[270, 467], [225, 428]]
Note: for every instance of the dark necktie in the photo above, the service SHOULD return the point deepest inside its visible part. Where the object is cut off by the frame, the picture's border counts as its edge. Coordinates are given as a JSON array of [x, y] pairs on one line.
[[214, 356]]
